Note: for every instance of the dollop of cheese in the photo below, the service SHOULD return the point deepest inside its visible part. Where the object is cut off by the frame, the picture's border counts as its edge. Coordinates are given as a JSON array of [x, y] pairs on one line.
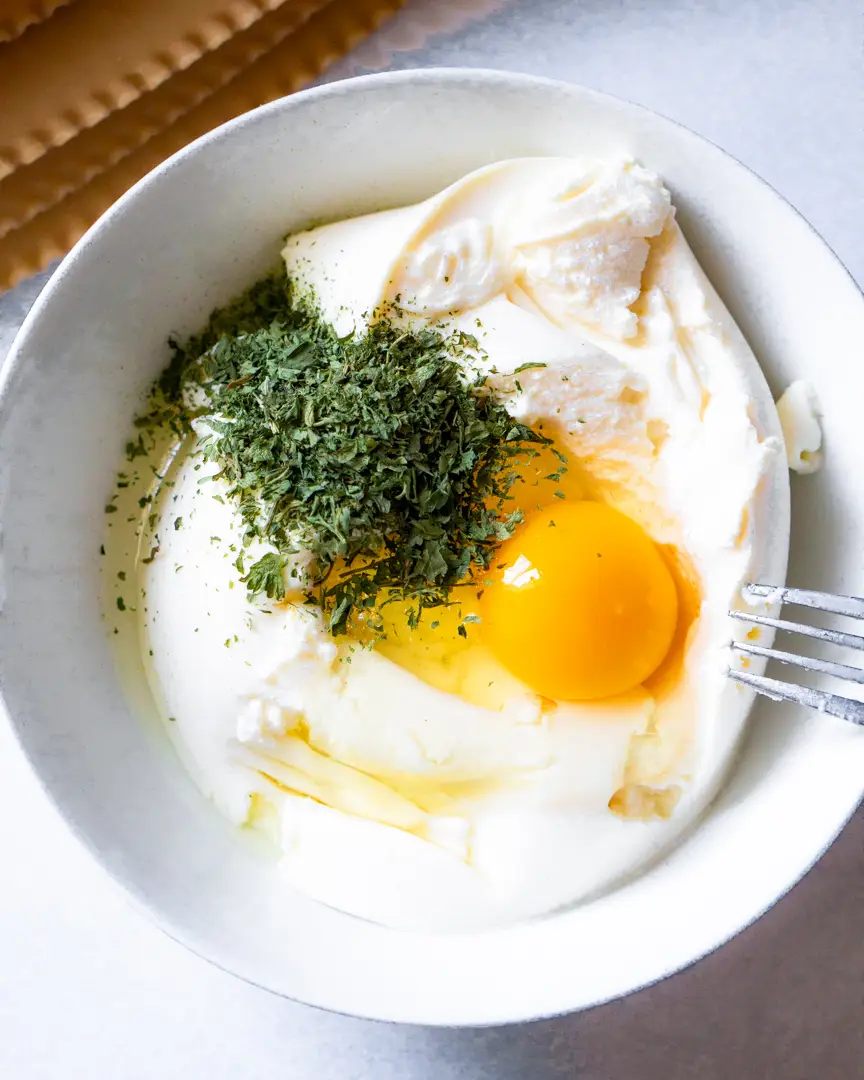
[[455, 804], [802, 431]]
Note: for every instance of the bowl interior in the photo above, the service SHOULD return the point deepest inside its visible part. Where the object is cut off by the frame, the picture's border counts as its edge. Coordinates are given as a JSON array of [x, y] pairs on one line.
[[193, 234]]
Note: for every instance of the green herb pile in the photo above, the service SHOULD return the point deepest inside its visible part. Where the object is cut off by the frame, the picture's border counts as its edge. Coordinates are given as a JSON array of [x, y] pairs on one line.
[[375, 453]]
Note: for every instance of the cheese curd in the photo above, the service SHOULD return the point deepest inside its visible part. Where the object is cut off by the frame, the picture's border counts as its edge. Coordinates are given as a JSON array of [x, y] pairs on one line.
[[802, 432], [422, 783]]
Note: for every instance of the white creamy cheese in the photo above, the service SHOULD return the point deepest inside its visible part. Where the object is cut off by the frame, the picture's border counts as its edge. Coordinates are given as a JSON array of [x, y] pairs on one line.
[[409, 804], [802, 432]]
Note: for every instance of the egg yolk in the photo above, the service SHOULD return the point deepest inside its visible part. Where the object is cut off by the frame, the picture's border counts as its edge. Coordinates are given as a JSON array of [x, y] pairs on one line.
[[582, 605]]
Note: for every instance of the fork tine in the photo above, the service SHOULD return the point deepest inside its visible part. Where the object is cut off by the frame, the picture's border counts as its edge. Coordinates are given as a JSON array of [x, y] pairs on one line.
[[844, 708], [811, 663], [836, 637], [837, 605]]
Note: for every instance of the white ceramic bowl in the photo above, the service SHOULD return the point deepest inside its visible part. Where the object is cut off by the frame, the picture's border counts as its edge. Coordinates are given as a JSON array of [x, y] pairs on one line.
[[195, 232]]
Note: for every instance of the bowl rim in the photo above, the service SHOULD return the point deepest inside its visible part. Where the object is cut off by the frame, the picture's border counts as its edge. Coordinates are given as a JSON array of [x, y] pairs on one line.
[[11, 367]]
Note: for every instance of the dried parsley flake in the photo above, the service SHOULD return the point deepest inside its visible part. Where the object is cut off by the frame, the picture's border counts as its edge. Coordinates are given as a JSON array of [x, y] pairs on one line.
[[383, 455]]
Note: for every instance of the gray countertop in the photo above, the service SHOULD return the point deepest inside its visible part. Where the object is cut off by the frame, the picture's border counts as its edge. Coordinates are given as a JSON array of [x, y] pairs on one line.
[[89, 991]]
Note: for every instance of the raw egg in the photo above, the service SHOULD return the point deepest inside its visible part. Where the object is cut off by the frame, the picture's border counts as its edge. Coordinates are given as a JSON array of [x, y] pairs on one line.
[[582, 604]]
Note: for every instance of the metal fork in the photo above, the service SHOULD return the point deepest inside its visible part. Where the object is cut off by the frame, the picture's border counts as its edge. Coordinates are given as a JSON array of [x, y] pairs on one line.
[[833, 704]]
